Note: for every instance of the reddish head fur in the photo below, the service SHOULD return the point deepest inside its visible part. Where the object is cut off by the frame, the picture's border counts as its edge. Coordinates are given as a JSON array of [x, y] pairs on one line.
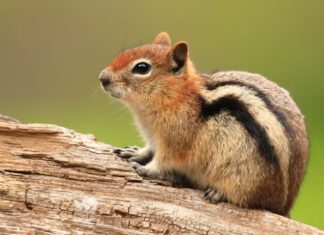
[[155, 52]]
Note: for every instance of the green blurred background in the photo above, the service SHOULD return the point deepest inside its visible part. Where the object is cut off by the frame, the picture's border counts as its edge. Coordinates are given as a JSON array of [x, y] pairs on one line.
[[51, 53]]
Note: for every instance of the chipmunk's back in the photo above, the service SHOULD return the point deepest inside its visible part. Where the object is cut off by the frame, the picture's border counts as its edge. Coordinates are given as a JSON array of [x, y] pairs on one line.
[[279, 102]]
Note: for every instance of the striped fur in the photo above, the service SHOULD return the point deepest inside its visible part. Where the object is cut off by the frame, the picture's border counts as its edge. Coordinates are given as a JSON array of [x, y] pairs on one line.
[[237, 109], [280, 116], [291, 136]]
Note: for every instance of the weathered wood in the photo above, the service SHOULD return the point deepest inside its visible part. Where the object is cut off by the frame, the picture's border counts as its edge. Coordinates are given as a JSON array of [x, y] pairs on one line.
[[56, 181]]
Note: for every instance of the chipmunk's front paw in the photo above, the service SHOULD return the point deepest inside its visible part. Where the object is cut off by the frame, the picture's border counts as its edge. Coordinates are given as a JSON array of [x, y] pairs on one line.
[[135, 154], [214, 196], [149, 171], [127, 152]]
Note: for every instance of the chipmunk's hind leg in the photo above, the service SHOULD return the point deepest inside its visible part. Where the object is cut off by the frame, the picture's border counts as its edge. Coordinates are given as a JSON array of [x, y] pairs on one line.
[[135, 154], [214, 196]]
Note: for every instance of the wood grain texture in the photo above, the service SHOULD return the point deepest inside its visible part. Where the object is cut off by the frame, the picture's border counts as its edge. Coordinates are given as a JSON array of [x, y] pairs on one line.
[[56, 181]]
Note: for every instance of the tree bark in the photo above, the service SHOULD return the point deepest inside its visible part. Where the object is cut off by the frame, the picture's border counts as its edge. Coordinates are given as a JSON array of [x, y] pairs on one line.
[[56, 181]]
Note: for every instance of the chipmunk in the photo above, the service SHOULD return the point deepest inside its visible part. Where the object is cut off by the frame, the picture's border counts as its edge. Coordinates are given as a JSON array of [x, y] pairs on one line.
[[236, 135]]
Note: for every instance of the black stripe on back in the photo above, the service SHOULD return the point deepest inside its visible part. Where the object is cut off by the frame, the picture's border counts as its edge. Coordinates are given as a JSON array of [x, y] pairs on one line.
[[279, 116], [239, 111]]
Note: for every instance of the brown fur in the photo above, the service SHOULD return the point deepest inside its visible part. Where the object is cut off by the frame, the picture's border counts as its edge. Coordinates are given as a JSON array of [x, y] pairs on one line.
[[217, 153]]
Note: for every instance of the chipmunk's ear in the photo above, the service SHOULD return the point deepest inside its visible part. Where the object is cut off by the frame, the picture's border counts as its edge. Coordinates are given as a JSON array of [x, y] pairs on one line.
[[179, 56], [162, 38]]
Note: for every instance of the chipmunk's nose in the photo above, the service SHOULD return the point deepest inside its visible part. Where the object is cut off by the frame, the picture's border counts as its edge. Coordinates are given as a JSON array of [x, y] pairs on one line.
[[104, 78]]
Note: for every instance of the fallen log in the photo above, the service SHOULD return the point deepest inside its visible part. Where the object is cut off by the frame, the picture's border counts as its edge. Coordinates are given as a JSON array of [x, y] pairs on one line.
[[56, 181]]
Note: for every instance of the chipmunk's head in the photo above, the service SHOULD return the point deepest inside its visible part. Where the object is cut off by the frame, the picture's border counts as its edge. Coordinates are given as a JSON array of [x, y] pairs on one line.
[[146, 69]]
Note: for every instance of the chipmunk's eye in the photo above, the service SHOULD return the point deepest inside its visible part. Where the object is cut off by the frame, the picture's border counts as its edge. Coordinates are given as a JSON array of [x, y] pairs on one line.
[[141, 68]]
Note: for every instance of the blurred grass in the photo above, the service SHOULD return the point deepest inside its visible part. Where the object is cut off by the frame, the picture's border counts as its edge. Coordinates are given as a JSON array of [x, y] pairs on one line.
[[51, 53]]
